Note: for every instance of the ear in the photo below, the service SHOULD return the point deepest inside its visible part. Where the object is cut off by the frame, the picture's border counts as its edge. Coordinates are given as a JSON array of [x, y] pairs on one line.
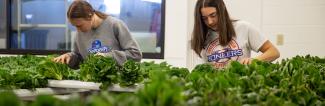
[[90, 17]]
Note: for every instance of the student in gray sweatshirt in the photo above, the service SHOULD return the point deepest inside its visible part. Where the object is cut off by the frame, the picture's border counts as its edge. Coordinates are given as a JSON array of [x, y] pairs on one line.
[[98, 34]]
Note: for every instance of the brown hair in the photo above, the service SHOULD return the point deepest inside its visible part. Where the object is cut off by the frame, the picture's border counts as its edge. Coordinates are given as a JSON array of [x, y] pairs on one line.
[[82, 9], [225, 26]]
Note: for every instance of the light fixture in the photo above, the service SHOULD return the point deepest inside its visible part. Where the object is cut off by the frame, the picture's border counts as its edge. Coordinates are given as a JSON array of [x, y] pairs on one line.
[[154, 1]]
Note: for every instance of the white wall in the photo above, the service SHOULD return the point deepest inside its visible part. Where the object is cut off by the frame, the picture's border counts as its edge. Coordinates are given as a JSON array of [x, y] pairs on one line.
[[192, 57], [300, 21]]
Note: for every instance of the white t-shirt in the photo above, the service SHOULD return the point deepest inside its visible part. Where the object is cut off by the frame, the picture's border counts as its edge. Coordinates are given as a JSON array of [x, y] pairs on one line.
[[247, 38]]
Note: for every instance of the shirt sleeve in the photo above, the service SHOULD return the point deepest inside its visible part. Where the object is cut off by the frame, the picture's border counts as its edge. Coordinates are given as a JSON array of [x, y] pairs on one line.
[[75, 57], [255, 38], [129, 47]]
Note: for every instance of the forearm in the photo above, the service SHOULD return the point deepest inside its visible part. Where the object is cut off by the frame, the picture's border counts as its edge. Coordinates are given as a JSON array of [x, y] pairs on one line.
[[269, 55]]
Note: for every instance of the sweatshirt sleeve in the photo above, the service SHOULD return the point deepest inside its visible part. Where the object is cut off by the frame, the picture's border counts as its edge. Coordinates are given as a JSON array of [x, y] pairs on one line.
[[75, 56], [129, 47]]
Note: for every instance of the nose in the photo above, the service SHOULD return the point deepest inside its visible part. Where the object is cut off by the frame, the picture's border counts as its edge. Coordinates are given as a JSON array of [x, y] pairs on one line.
[[210, 21]]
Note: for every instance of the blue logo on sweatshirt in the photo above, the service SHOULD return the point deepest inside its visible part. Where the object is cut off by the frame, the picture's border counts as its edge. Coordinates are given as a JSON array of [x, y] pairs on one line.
[[96, 46]]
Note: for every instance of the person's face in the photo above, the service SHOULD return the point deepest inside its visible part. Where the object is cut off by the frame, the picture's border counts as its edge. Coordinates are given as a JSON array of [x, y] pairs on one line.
[[210, 17], [82, 24]]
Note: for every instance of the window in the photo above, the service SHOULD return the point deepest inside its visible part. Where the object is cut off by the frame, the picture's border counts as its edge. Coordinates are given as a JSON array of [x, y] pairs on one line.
[[41, 27]]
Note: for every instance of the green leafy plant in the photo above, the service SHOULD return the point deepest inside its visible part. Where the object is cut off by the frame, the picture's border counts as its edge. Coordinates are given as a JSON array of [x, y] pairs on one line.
[[99, 69], [58, 71], [130, 73]]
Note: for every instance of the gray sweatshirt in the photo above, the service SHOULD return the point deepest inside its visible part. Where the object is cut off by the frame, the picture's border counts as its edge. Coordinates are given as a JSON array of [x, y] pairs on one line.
[[112, 38]]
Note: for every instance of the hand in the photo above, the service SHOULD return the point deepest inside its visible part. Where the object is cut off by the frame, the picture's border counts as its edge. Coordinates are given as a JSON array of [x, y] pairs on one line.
[[246, 61], [100, 54], [65, 58], [103, 54]]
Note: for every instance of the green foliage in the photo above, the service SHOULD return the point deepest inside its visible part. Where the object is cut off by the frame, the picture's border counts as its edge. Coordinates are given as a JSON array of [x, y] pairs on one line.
[[99, 69], [291, 82], [20, 72], [57, 71], [130, 73], [205, 68], [9, 99], [296, 81], [162, 91]]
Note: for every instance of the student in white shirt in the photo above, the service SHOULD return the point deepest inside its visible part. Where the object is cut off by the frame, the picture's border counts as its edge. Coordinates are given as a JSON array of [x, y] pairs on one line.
[[218, 39]]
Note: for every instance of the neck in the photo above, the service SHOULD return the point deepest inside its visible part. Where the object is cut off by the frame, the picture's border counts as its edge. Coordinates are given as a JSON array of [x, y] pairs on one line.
[[97, 21]]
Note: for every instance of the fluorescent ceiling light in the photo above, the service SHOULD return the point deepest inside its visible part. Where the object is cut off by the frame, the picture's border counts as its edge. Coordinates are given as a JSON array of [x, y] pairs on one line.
[[154, 1]]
